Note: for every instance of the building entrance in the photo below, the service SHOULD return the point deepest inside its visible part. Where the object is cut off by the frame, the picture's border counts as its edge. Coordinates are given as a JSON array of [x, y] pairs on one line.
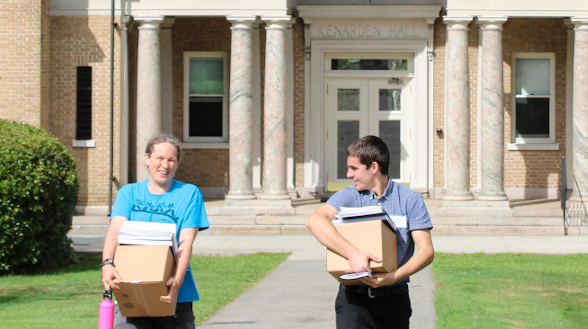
[[356, 107]]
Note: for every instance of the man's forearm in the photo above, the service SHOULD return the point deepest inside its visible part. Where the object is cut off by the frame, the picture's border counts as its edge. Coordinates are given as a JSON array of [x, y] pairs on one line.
[[328, 236], [421, 259]]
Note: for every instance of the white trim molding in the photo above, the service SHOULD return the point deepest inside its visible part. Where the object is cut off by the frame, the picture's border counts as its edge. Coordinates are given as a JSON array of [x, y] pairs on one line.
[[533, 146], [88, 143], [368, 12]]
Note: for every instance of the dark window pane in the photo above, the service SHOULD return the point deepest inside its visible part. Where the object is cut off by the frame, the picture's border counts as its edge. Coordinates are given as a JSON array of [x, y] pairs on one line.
[[84, 103], [347, 133], [532, 117], [370, 64], [389, 99], [206, 117], [390, 134], [347, 99]]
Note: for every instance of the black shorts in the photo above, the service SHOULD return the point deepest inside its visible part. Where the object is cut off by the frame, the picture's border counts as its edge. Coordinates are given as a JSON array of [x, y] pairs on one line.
[[184, 319], [358, 311]]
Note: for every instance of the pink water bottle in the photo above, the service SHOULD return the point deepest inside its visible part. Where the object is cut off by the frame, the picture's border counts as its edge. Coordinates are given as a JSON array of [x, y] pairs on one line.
[[106, 318]]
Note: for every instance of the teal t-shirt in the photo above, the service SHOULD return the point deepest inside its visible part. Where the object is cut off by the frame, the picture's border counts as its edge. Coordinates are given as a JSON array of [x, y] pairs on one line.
[[182, 205]]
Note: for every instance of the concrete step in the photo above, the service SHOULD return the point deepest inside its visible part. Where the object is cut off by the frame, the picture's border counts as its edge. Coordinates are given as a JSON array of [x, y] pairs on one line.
[[537, 211], [90, 220], [256, 230], [260, 220], [89, 229], [498, 221], [496, 230]]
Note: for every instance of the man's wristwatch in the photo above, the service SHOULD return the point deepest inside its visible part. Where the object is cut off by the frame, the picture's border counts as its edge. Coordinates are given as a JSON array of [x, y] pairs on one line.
[[108, 262]]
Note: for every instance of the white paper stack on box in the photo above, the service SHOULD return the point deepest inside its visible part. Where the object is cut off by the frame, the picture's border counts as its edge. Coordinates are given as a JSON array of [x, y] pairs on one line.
[[349, 215], [148, 234]]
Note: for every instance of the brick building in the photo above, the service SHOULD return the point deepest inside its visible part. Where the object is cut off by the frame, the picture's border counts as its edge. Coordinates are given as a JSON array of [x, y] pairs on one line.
[[475, 100]]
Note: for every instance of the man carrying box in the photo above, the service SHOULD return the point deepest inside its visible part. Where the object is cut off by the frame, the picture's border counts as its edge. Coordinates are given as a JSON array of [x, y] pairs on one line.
[[381, 301]]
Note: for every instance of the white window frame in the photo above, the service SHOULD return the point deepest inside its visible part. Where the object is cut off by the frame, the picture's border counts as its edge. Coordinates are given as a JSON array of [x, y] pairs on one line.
[[206, 142], [404, 55], [521, 143]]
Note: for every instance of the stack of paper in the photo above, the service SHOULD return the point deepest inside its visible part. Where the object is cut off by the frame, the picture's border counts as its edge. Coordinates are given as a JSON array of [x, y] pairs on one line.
[[147, 233], [362, 214]]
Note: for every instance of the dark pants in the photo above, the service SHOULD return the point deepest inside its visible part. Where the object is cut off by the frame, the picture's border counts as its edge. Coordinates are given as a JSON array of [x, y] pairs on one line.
[[184, 319], [358, 311]]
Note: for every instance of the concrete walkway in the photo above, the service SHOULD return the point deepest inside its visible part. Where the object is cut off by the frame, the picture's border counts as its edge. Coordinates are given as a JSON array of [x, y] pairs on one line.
[[301, 294]]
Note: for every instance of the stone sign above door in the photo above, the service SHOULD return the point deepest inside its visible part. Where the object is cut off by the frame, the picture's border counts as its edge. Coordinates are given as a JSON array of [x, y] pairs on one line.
[[369, 29]]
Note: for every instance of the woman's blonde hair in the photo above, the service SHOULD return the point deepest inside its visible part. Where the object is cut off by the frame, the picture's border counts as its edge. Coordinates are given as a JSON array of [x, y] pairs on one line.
[[163, 139]]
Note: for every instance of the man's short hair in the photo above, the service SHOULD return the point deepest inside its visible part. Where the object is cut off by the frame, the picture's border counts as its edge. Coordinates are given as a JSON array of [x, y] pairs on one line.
[[370, 149]]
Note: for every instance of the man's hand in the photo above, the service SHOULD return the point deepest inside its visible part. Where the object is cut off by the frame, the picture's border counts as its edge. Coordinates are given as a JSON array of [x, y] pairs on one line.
[[380, 279], [172, 295], [359, 260], [109, 272]]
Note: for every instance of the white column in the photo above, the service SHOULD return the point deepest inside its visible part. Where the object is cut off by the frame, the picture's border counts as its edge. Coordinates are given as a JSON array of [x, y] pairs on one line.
[[167, 91], [148, 88], [580, 116], [457, 111], [275, 139], [241, 110], [492, 110]]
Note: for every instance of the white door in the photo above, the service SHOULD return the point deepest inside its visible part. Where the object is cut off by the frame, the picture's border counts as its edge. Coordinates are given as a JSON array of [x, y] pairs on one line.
[[356, 107]]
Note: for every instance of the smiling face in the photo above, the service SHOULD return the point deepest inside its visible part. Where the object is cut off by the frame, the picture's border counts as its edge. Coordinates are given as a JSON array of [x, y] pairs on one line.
[[162, 165], [363, 176]]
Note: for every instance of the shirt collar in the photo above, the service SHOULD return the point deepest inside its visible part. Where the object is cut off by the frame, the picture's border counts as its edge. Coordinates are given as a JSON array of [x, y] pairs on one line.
[[387, 192]]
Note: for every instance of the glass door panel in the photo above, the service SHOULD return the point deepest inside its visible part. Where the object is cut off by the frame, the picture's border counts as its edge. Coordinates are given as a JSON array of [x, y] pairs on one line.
[[347, 133], [346, 102], [389, 132]]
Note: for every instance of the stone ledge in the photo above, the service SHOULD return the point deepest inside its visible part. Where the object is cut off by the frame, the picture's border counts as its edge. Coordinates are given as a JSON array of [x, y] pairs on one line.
[[474, 212]]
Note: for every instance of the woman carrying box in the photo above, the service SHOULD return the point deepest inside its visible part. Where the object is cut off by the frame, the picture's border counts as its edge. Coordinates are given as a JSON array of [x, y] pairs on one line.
[[165, 200]]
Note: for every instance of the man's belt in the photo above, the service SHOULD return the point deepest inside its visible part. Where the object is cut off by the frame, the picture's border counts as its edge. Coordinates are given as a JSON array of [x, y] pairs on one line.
[[378, 292]]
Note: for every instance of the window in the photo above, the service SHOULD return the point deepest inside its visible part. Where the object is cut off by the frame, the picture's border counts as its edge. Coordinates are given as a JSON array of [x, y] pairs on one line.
[[205, 97], [533, 101], [398, 64], [84, 103]]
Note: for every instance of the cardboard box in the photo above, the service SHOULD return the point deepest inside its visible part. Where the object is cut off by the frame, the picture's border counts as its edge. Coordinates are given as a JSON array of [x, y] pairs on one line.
[[374, 236], [145, 270]]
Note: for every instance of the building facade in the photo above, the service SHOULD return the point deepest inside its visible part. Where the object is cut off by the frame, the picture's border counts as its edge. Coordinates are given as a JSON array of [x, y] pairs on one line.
[[475, 100]]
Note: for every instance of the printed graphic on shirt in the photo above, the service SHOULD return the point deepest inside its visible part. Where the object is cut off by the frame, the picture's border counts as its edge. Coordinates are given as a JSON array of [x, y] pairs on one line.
[[161, 212]]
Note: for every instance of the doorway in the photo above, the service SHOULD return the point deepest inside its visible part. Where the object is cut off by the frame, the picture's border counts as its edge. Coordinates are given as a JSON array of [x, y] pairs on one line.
[[360, 106]]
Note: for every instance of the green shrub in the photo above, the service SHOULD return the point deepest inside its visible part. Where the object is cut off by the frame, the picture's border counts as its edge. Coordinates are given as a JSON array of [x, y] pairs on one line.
[[38, 194]]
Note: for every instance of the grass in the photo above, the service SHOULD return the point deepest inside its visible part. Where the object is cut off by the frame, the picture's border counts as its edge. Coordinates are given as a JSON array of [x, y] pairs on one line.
[[511, 291], [69, 298]]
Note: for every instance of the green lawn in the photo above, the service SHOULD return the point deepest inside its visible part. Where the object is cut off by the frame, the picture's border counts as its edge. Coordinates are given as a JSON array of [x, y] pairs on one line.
[[70, 298], [511, 291]]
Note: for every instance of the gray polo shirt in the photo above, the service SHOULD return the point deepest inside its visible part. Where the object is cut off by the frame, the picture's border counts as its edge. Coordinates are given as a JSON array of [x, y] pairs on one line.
[[397, 200]]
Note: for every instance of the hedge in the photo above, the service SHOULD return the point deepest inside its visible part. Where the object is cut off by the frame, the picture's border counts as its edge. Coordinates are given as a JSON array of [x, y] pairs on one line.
[[39, 191]]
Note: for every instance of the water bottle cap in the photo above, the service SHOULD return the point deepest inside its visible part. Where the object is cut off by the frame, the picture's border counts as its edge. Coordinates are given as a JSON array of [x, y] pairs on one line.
[[107, 294]]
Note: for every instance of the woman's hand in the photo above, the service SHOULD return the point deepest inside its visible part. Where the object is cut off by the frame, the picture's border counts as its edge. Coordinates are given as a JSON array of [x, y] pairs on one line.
[[109, 272], [172, 295]]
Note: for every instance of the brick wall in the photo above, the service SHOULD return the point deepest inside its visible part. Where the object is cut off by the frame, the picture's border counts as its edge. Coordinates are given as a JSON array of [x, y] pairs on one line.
[[522, 169], [209, 167], [298, 46], [22, 23], [439, 103], [535, 169], [85, 41]]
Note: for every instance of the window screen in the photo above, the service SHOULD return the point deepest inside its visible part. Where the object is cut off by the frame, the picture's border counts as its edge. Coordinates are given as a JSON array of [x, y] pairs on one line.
[[84, 103], [533, 95]]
